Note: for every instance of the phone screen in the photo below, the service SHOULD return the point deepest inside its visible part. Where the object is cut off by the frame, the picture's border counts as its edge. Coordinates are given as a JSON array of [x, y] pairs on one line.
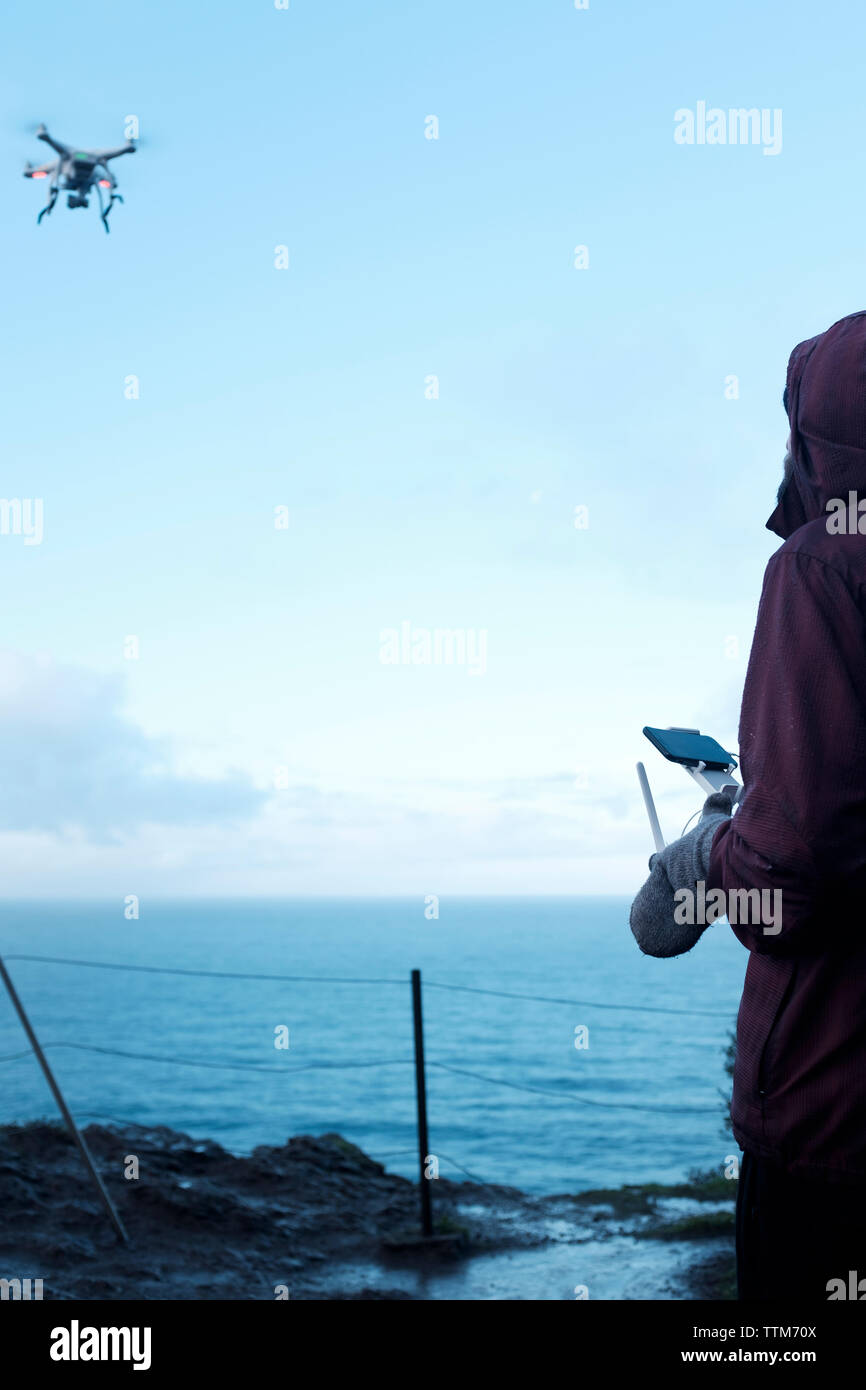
[[690, 747]]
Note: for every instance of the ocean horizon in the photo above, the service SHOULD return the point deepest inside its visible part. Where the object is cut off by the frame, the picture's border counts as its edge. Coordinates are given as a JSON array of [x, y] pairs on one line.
[[612, 1072]]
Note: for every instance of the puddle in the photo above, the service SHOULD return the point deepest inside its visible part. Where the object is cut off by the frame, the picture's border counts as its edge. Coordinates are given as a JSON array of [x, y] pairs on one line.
[[620, 1267]]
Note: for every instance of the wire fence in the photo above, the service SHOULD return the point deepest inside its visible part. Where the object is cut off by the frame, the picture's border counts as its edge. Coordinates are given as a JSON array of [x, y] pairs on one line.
[[174, 1059], [414, 1059]]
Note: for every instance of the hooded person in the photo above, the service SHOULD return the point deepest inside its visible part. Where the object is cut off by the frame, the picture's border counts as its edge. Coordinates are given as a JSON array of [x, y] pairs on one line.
[[798, 837]]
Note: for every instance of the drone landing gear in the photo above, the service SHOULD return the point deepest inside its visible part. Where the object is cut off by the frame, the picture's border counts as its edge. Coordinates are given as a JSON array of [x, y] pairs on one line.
[[104, 211], [52, 199]]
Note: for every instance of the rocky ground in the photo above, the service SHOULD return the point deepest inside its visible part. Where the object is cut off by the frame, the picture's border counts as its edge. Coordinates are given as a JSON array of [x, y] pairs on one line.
[[316, 1218]]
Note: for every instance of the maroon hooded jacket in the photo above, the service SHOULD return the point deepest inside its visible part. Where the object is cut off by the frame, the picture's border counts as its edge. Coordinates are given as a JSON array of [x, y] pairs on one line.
[[800, 1075]]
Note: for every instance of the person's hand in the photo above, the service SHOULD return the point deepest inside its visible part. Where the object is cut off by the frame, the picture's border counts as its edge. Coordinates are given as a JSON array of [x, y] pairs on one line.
[[719, 803], [687, 860], [655, 923]]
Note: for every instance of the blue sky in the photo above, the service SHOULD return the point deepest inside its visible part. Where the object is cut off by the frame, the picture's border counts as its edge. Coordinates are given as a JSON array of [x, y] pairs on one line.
[[305, 388]]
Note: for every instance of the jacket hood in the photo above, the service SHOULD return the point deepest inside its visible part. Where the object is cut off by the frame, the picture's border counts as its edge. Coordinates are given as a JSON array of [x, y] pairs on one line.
[[827, 414]]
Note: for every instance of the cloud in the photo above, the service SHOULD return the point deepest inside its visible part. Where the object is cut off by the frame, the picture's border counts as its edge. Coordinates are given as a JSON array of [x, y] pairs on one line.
[[72, 761], [91, 804]]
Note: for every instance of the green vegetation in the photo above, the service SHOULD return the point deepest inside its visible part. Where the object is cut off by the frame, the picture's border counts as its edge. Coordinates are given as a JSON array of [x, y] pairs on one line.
[[701, 1226], [641, 1199], [350, 1150], [445, 1225]]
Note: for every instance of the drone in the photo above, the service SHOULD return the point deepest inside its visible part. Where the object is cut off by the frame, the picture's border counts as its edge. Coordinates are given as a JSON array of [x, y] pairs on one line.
[[78, 172]]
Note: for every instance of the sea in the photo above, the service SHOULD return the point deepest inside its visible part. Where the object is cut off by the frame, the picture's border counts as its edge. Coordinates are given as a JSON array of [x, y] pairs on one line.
[[557, 1057]]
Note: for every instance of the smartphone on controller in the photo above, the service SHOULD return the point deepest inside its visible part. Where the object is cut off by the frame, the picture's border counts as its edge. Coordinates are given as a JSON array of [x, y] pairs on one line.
[[708, 764]]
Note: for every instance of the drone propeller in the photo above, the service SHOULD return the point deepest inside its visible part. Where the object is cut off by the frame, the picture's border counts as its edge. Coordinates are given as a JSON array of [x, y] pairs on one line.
[[40, 171], [153, 137]]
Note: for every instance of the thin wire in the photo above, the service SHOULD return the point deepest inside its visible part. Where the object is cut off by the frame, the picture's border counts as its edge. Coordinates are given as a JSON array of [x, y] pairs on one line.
[[580, 1003], [210, 974], [379, 1062], [347, 980], [139, 1124], [455, 1164], [405, 1153], [221, 1066], [248, 1153], [581, 1100]]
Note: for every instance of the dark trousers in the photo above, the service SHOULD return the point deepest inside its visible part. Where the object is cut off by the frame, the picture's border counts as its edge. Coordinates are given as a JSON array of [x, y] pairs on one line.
[[795, 1235]]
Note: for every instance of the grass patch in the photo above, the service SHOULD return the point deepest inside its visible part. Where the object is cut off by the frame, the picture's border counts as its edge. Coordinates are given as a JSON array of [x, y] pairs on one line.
[[702, 1226], [350, 1150], [640, 1199], [445, 1225]]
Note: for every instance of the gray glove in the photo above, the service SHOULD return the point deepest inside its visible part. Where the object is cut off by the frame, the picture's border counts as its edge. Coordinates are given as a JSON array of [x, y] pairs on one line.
[[681, 864]]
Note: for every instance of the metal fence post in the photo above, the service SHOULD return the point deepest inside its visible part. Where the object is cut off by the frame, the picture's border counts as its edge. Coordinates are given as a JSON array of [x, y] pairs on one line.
[[113, 1217], [421, 1098]]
